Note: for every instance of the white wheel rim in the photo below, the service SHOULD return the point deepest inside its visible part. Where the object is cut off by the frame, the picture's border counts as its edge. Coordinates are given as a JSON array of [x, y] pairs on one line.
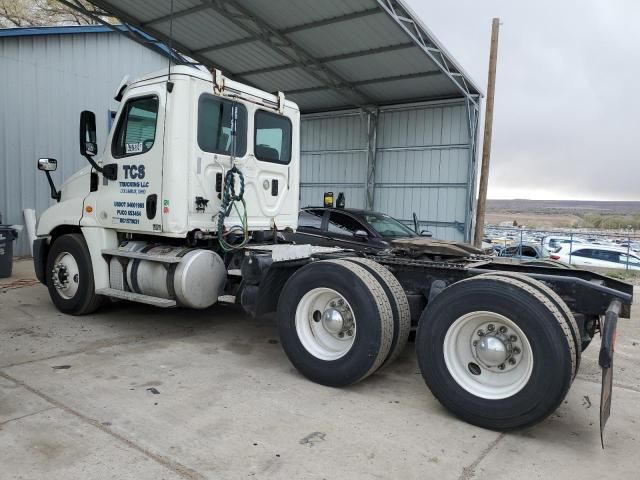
[[331, 336], [475, 366], [65, 275]]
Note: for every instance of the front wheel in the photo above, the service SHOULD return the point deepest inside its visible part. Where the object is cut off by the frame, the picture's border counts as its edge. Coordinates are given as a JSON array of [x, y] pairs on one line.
[[496, 352], [69, 276]]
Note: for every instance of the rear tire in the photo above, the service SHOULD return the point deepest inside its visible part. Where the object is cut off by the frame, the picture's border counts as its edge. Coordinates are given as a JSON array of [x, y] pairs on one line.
[[476, 381], [559, 304], [335, 322], [399, 305], [69, 276]]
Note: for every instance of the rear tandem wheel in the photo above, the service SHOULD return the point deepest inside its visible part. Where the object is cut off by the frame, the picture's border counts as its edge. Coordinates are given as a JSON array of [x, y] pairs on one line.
[[496, 352], [335, 322]]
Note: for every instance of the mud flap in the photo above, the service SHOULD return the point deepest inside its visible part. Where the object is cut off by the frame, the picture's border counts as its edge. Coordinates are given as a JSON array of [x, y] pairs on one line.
[[605, 360]]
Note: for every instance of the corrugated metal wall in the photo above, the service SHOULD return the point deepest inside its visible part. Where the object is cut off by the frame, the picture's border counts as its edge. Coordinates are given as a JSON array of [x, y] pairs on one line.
[[333, 151], [423, 154], [47, 80], [422, 166], [423, 163]]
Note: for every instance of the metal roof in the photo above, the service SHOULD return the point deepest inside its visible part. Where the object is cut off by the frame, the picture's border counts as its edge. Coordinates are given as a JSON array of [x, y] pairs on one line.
[[324, 55], [130, 32]]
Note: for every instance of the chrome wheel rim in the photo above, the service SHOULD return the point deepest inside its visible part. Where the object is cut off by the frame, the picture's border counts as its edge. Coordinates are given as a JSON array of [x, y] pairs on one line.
[[325, 324], [65, 275], [488, 355]]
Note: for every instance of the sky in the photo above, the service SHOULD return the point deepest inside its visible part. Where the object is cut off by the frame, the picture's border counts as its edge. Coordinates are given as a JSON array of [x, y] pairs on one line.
[[567, 106]]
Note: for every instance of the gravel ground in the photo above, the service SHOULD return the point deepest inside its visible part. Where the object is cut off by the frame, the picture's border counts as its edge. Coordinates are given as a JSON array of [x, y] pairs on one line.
[[133, 392]]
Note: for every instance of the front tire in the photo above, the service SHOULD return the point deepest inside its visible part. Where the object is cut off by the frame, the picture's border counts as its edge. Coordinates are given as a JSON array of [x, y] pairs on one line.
[[335, 322], [69, 276], [496, 352]]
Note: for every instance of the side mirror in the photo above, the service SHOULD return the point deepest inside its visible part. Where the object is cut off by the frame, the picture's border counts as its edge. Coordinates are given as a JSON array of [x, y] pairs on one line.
[[88, 145], [361, 235], [50, 165], [426, 233], [47, 164]]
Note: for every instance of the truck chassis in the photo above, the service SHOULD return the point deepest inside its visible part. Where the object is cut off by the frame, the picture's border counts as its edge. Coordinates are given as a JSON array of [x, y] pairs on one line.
[[186, 207], [492, 339]]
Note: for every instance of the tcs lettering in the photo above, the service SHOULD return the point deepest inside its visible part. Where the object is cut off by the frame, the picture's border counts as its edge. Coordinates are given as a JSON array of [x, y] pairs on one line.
[[133, 171]]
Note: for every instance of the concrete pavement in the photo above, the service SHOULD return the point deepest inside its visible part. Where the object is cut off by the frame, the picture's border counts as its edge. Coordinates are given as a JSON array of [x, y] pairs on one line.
[[137, 392]]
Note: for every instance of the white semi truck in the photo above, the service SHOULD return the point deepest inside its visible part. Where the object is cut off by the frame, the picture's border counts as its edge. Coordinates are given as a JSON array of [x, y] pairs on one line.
[[186, 205]]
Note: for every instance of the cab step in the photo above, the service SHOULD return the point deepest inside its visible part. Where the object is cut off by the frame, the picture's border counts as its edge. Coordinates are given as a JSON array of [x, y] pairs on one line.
[[141, 256], [136, 297]]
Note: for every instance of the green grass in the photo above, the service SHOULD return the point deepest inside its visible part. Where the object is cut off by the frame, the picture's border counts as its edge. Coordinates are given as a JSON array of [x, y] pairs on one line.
[[626, 275]]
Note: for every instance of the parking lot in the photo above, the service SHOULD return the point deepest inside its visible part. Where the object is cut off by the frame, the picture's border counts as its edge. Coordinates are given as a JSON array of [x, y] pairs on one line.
[[144, 393]]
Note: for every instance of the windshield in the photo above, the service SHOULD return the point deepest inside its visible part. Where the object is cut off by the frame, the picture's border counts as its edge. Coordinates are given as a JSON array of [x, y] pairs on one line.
[[387, 226]]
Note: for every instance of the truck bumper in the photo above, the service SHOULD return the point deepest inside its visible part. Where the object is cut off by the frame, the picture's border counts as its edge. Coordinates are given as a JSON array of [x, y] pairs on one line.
[[40, 250]]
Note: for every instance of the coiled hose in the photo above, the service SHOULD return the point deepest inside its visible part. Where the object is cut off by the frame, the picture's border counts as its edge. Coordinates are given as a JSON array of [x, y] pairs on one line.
[[230, 202]]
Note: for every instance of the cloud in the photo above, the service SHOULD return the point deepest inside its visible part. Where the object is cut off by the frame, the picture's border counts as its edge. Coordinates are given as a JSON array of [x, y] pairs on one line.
[[566, 114]]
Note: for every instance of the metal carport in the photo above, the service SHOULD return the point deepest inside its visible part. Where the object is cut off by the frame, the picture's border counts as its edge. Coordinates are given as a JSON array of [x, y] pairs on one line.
[[389, 117]]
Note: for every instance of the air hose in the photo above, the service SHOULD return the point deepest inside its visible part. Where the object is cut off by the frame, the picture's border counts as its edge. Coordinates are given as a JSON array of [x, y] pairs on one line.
[[230, 201]]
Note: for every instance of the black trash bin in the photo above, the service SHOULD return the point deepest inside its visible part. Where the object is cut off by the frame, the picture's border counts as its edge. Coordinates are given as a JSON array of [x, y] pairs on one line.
[[7, 236]]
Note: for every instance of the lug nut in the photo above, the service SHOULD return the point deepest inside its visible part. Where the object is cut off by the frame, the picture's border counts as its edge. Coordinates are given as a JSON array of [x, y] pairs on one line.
[[513, 338], [512, 361], [332, 304], [475, 343], [516, 350], [503, 329], [490, 327], [350, 333], [480, 333], [341, 334], [340, 302], [501, 366]]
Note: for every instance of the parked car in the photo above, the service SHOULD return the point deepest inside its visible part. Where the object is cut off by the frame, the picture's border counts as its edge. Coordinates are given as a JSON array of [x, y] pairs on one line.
[[590, 255], [525, 250], [554, 242], [349, 228]]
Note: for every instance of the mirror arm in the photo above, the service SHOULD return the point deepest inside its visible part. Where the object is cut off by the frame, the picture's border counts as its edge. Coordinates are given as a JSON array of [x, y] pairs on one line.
[[55, 194]]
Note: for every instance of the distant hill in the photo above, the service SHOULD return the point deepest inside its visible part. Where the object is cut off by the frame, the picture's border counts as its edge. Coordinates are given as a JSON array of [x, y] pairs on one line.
[[563, 207], [564, 214]]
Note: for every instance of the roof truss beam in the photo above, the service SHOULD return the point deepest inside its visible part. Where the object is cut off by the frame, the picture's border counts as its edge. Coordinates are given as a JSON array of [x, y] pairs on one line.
[[176, 15], [334, 58], [397, 12], [285, 31], [171, 43], [331, 21], [396, 78], [288, 49]]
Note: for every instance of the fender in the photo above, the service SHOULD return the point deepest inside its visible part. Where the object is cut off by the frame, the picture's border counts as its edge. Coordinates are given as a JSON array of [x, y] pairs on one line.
[[66, 212], [99, 239]]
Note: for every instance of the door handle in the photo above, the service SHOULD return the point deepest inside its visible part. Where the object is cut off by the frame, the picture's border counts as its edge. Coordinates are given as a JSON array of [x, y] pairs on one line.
[[152, 205]]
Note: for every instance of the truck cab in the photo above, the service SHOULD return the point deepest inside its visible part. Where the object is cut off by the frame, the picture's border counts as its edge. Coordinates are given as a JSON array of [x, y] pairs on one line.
[[169, 150], [183, 143]]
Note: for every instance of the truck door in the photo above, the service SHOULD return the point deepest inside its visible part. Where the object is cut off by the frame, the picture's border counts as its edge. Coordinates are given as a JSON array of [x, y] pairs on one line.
[[132, 201], [272, 152]]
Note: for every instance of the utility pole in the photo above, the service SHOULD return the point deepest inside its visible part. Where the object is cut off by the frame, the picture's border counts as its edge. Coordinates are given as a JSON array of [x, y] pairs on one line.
[[488, 126]]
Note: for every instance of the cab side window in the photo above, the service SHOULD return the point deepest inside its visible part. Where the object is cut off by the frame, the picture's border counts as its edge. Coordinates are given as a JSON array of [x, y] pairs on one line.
[[136, 130], [215, 117], [272, 137]]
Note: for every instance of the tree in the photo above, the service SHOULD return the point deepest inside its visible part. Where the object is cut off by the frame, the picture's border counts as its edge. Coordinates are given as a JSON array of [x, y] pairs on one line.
[[36, 13]]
